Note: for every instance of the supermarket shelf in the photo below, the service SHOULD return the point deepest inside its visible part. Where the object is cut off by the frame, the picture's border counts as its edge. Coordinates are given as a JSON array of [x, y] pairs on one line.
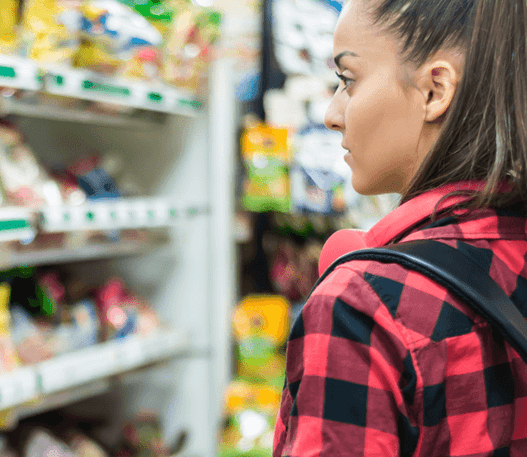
[[116, 214], [88, 85], [50, 402], [17, 224], [81, 374], [11, 258], [20, 73], [59, 113]]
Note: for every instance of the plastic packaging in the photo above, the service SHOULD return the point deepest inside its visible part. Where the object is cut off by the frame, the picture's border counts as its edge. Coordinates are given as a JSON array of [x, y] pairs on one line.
[[25, 182], [8, 356], [113, 34], [189, 45], [51, 30], [8, 26], [266, 155]]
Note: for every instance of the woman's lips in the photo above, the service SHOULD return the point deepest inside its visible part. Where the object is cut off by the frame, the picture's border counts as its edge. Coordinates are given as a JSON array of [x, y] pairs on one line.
[[348, 158]]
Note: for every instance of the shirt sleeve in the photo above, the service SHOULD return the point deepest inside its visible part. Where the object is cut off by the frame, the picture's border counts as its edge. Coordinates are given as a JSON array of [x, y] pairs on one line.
[[350, 381]]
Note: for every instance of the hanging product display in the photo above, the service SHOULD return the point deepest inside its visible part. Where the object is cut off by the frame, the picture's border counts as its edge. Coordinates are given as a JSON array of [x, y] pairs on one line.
[[51, 30], [260, 326], [266, 156], [318, 173], [303, 37]]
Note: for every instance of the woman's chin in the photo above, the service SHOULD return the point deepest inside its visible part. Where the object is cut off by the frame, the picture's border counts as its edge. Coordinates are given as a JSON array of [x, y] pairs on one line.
[[369, 188]]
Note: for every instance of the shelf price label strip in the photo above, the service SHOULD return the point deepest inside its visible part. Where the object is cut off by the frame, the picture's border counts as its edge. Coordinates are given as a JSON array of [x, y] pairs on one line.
[[118, 214], [89, 86], [20, 73]]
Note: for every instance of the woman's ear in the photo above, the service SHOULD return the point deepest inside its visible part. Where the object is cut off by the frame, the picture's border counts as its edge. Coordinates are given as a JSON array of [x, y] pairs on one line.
[[437, 80]]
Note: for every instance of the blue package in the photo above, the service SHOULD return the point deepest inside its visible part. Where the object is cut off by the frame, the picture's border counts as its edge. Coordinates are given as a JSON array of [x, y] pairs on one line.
[[97, 184]]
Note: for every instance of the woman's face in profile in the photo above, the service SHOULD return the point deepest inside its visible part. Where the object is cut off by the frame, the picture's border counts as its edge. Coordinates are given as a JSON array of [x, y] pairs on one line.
[[380, 117]]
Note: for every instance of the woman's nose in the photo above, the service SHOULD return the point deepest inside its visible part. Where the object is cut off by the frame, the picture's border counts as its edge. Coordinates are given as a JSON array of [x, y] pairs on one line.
[[334, 118]]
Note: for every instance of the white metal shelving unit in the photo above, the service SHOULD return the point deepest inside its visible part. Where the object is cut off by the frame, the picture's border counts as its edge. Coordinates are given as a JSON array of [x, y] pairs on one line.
[[187, 165]]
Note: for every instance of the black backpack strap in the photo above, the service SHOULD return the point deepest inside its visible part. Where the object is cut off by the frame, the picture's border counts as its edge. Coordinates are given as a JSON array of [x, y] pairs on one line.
[[457, 272]]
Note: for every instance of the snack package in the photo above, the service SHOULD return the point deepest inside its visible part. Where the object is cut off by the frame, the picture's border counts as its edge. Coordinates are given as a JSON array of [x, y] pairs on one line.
[[51, 30], [113, 34], [94, 181], [115, 321], [30, 344], [122, 313], [147, 62], [250, 412], [24, 180], [189, 45], [71, 193], [319, 172], [260, 325], [87, 327], [266, 156], [8, 26], [8, 357]]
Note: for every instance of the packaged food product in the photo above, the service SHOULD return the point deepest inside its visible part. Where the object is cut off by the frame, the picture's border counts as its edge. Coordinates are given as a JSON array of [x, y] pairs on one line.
[[113, 34], [266, 156], [51, 30], [189, 45], [250, 412], [30, 344], [8, 26], [117, 321], [25, 181], [86, 321], [8, 357]]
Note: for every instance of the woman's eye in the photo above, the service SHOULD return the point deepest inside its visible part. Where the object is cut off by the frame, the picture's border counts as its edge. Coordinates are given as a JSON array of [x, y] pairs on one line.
[[347, 81]]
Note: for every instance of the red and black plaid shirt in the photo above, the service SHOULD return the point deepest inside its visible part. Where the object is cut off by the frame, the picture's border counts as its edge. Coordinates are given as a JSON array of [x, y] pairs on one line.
[[383, 362]]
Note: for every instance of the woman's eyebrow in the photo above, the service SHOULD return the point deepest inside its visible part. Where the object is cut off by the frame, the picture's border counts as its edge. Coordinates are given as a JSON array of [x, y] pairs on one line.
[[341, 55]]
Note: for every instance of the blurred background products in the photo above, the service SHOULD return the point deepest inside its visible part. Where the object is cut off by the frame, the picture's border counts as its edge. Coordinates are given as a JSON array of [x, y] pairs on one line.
[[260, 327], [156, 41]]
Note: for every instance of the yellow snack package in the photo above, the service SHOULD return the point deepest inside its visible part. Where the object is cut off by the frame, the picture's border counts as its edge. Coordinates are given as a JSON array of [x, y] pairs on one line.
[[264, 316], [8, 26], [266, 155], [8, 356], [51, 30]]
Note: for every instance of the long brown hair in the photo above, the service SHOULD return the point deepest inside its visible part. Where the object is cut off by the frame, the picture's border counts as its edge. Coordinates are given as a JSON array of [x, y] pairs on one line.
[[484, 135]]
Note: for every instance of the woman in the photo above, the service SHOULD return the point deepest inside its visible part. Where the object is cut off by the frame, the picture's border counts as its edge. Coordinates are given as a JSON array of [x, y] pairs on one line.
[[382, 361]]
